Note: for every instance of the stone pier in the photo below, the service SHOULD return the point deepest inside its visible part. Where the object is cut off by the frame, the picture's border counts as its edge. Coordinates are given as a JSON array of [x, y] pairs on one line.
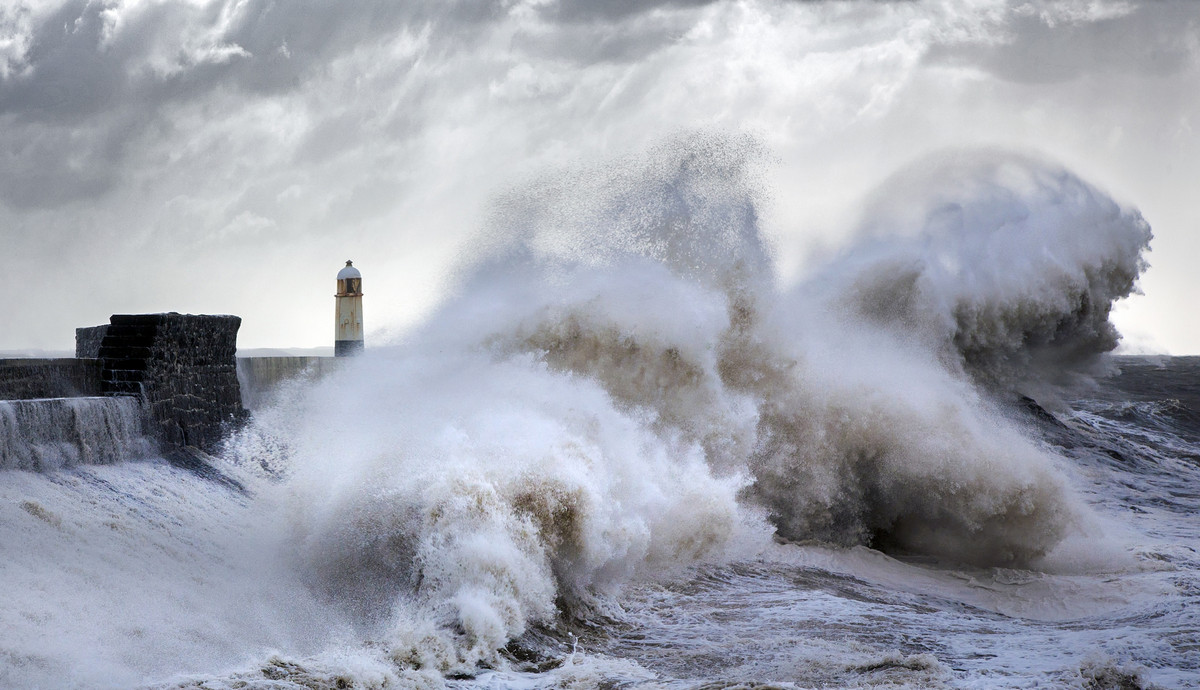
[[184, 366], [182, 369]]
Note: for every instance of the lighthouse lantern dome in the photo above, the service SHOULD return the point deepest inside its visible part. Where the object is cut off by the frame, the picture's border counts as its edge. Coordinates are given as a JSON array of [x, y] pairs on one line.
[[349, 272], [349, 281]]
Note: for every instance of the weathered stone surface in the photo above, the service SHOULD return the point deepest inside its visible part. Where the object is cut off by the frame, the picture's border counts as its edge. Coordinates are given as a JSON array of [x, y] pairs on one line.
[[87, 341], [261, 377], [184, 365], [26, 379]]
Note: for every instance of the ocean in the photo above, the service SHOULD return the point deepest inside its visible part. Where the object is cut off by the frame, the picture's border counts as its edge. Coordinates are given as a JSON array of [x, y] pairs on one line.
[[626, 452]]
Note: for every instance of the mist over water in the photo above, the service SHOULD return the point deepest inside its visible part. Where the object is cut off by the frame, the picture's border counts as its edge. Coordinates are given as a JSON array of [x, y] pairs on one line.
[[621, 390]]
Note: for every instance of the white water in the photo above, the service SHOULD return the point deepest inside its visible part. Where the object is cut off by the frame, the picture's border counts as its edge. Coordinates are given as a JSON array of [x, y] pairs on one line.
[[52, 433], [619, 398]]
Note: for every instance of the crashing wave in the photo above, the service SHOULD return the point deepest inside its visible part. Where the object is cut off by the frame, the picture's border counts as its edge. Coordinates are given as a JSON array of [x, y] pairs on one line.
[[620, 387]]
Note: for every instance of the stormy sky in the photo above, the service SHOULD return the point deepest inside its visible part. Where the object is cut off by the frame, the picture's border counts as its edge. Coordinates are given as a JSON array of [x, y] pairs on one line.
[[227, 156]]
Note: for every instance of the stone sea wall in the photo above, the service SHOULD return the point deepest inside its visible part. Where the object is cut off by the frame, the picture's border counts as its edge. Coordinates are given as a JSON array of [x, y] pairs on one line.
[[26, 379], [184, 366], [87, 341], [261, 378], [180, 373]]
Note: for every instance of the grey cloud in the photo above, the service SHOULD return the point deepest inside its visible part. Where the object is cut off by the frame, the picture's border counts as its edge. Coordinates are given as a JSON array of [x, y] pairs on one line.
[[71, 113], [74, 73], [36, 174], [70, 76], [45, 165], [1157, 39], [84, 101], [615, 10], [288, 40]]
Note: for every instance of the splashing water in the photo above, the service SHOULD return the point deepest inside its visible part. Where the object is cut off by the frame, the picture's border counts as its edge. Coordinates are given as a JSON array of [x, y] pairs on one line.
[[1007, 265], [620, 389], [51, 433]]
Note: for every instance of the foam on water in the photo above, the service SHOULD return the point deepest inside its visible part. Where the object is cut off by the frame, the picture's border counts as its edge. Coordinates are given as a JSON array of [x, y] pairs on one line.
[[116, 575], [52, 433]]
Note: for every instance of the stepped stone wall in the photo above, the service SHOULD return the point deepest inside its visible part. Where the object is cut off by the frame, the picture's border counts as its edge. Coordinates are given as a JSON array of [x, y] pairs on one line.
[[184, 366], [87, 341]]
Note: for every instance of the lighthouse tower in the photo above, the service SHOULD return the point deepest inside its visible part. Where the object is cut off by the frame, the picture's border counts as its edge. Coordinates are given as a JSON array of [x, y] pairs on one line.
[[348, 336]]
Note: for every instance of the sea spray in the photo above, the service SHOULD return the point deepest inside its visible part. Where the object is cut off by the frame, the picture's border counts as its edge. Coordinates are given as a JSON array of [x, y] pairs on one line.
[[477, 495], [852, 433], [620, 388], [1005, 264]]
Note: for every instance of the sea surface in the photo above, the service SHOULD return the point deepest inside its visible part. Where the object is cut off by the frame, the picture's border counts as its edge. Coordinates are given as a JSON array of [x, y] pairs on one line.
[[626, 452]]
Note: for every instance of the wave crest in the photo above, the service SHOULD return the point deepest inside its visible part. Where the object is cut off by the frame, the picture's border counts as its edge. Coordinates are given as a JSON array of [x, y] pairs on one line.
[[1007, 264]]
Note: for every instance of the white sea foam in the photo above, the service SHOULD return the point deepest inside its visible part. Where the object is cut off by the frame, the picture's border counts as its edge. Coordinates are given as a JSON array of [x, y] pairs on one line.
[[620, 389], [51, 433], [1006, 264], [116, 575]]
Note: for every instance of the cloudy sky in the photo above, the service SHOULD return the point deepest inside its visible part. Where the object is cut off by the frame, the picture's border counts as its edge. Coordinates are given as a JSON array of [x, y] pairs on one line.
[[227, 156]]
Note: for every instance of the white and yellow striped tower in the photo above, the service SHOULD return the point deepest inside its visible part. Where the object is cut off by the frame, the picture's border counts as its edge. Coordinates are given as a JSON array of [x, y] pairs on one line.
[[348, 338]]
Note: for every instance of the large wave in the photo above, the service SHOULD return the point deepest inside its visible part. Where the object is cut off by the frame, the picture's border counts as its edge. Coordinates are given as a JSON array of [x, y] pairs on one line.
[[620, 386], [1008, 265]]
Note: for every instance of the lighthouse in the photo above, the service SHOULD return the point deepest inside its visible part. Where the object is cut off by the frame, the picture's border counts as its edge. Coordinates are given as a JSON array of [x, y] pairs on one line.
[[348, 334]]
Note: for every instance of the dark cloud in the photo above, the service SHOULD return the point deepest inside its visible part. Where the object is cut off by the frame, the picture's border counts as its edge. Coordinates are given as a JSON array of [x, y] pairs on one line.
[[97, 76], [69, 74], [78, 64], [1156, 39]]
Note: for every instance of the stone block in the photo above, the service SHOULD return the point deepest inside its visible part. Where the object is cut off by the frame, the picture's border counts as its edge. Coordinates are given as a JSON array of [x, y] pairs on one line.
[[187, 371]]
